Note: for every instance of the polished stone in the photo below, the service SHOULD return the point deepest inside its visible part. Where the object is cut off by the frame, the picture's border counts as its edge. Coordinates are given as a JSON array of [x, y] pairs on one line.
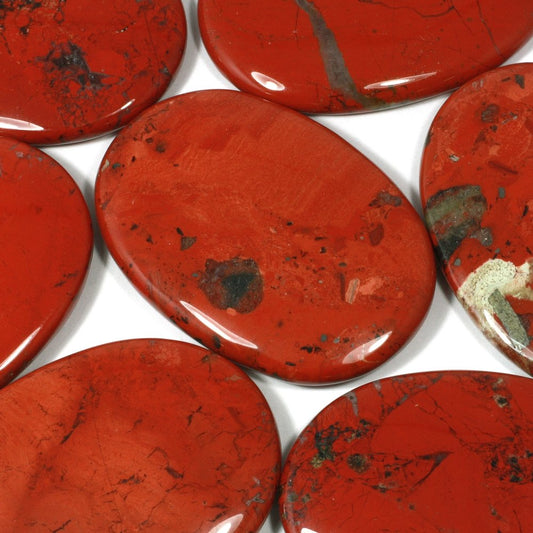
[[477, 192], [345, 56], [265, 236], [46, 244], [140, 435], [72, 70], [443, 451]]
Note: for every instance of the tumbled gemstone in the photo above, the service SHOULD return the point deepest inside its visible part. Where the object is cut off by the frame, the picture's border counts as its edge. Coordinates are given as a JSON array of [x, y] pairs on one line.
[[46, 245], [265, 236], [477, 191], [345, 56], [137, 435], [72, 70], [443, 451]]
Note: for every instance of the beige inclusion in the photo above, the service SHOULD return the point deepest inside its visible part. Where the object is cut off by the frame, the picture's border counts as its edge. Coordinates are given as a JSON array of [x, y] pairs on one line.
[[484, 291]]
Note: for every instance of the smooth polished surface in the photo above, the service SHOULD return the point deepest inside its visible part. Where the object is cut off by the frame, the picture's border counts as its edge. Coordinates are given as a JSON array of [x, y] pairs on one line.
[[448, 451], [265, 236], [139, 435], [346, 56], [477, 191], [46, 244], [72, 70]]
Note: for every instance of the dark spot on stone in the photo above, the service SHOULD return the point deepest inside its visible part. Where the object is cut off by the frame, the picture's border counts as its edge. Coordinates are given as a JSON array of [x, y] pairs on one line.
[[132, 480], [519, 79], [289, 363], [69, 59], [481, 138], [324, 441], [362, 429], [216, 342], [289, 223], [149, 239], [376, 234], [386, 198], [311, 349], [134, 227], [133, 159], [187, 242], [236, 284], [149, 140], [526, 210], [323, 250], [174, 473], [24, 30], [160, 147], [490, 113], [501, 401], [116, 165], [358, 463]]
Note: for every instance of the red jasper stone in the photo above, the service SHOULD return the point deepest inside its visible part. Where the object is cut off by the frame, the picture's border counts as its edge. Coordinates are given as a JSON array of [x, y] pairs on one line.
[[344, 56], [448, 451], [265, 236], [137, 435], [46, 246], [72, 70], [477, 191]]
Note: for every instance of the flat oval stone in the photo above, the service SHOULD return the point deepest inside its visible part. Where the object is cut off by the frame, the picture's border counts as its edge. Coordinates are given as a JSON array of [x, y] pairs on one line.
[[137, 435], [265, 236], [477, 190], [72, 70], [443, 451], [46, 248], [338, 57]]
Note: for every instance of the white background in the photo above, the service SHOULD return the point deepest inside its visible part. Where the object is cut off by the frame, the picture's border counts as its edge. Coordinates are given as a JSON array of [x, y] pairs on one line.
[[110, 309]]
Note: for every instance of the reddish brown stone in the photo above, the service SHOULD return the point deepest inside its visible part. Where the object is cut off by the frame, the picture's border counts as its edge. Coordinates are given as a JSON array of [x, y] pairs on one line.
[[477, 191], [265, 236], [447, 451], [325, 56], [46, 244], [137, 435], [72, 70]]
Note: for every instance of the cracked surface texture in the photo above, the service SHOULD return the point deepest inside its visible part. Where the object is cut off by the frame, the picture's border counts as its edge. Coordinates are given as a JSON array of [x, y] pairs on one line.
[[140, 435], [72, 70], [433, 452], [321, 56]]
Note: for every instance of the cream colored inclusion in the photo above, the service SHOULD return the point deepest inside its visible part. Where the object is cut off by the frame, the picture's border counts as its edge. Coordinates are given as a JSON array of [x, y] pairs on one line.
[[504, 278]]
